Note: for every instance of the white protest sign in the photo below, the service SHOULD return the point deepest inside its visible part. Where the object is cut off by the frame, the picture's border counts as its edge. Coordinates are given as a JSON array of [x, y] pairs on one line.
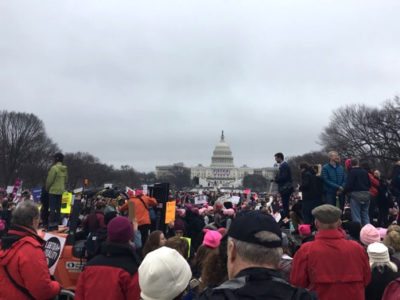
[[235, 200], [108, 185], [200, 199], [78, 190], [52, 250], [10, 189], [277, 217], [144, 186]]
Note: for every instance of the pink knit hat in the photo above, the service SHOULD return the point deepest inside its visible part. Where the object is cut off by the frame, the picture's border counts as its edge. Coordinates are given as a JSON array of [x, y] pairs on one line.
[[210, 208], [382, 232], [369, 234], [229, 212], [202, 211], [305, 229], [212, 238], [347, 163]]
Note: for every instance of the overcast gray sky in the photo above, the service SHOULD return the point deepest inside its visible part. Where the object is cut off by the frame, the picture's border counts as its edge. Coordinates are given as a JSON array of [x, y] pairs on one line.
[[154, 82]]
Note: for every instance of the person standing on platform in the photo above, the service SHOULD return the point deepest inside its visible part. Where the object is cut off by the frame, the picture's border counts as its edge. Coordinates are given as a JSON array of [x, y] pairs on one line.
[[284, 181], [334, 179], [55, 186]]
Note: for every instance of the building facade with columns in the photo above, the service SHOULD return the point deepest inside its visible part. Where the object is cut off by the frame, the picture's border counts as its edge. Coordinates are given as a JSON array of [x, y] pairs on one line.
[[222, 171]]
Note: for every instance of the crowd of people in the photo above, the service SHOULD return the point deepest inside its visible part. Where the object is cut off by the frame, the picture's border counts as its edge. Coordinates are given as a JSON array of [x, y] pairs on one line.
[[334, 236]]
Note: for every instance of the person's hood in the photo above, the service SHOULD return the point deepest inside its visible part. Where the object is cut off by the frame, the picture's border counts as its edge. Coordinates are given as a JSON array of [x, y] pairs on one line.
[[15, 239], [61, 168]]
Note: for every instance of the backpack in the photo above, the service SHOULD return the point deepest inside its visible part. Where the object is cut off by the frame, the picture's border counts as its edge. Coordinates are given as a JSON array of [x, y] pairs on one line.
[[93, 244], [392, 291]]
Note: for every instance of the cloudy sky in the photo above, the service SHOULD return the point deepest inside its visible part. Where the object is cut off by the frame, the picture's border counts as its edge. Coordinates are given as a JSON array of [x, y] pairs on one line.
[[149, 83]]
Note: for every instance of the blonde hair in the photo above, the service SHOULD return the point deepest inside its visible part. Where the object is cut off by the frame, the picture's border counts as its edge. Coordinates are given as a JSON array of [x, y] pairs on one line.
[[392, 240]]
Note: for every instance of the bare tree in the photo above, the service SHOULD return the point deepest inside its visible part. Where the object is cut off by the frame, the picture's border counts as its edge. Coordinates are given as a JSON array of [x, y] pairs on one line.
[[369, 133], [24, 146]]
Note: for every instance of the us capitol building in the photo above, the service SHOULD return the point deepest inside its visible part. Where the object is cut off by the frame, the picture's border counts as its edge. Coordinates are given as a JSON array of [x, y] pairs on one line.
[[222, 172]]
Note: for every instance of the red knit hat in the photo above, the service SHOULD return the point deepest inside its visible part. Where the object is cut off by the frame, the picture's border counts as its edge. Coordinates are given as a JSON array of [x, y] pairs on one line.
[[119, 230]]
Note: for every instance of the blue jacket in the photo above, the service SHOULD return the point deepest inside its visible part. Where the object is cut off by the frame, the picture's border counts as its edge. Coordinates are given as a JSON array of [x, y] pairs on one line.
[[333, 178]]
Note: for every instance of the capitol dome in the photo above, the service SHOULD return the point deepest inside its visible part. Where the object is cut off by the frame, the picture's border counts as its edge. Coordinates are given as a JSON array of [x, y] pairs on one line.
[[222, 155]]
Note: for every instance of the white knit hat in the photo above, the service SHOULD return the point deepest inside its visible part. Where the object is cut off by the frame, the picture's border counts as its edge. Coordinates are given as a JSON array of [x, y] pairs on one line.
[[163, 274], [378, 253]]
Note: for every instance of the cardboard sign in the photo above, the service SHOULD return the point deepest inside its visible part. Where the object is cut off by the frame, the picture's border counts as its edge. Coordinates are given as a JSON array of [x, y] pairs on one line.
[[170, 211], [131, 211], [52, 250]]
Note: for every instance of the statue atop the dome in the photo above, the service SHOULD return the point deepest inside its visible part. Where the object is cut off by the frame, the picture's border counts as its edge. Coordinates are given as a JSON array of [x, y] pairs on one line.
[[222, 136]]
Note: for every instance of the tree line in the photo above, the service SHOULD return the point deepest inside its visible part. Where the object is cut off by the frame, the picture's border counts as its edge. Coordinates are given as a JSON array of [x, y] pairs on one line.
[[371, 134]]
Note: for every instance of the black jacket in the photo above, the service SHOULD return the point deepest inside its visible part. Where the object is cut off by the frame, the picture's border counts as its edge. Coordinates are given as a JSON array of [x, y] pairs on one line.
[[257, 284], [379, 281], [357, 180], [311, 186], [284, 175]]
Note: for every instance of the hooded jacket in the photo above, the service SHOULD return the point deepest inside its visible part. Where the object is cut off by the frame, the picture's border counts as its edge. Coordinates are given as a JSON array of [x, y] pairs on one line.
[[57, 179], [22, 254]]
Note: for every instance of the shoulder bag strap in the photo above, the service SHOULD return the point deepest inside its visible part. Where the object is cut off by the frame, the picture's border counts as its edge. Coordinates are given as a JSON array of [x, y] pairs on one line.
[[140, 198], [20, 288]]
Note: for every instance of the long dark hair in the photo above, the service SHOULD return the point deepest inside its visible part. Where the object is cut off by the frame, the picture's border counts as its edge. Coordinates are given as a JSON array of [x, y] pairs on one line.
[[152, 243]]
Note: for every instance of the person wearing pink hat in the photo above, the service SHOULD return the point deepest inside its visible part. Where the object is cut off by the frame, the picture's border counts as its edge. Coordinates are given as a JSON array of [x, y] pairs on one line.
[[210, 244], [305, 233], [369, 234]]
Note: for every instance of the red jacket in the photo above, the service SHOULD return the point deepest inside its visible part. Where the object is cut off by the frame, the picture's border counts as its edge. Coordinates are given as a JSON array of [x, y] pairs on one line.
[[110, 275], [332, 266], [27, 265], [373, 190]]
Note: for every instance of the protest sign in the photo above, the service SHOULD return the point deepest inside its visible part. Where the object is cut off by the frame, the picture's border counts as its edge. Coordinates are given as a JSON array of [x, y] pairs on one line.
[[170, 211], [36, 194], [108, 185], [144, 186], [52, 250], [78, 190], [200, 199], [9, 189], [235, 200]]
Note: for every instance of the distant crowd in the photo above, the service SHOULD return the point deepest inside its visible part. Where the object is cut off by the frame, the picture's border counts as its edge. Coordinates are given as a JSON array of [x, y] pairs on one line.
[[334, 236]]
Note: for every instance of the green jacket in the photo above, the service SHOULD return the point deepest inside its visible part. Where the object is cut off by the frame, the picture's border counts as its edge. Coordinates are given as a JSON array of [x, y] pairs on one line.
[[57, 179]]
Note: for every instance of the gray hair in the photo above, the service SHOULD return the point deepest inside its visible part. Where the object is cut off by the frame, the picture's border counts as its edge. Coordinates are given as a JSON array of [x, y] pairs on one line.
[[24, 214], [257, 254]]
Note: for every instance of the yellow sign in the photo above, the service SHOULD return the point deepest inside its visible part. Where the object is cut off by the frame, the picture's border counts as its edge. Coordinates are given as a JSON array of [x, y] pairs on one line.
[[66, 203], [170, 212]]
